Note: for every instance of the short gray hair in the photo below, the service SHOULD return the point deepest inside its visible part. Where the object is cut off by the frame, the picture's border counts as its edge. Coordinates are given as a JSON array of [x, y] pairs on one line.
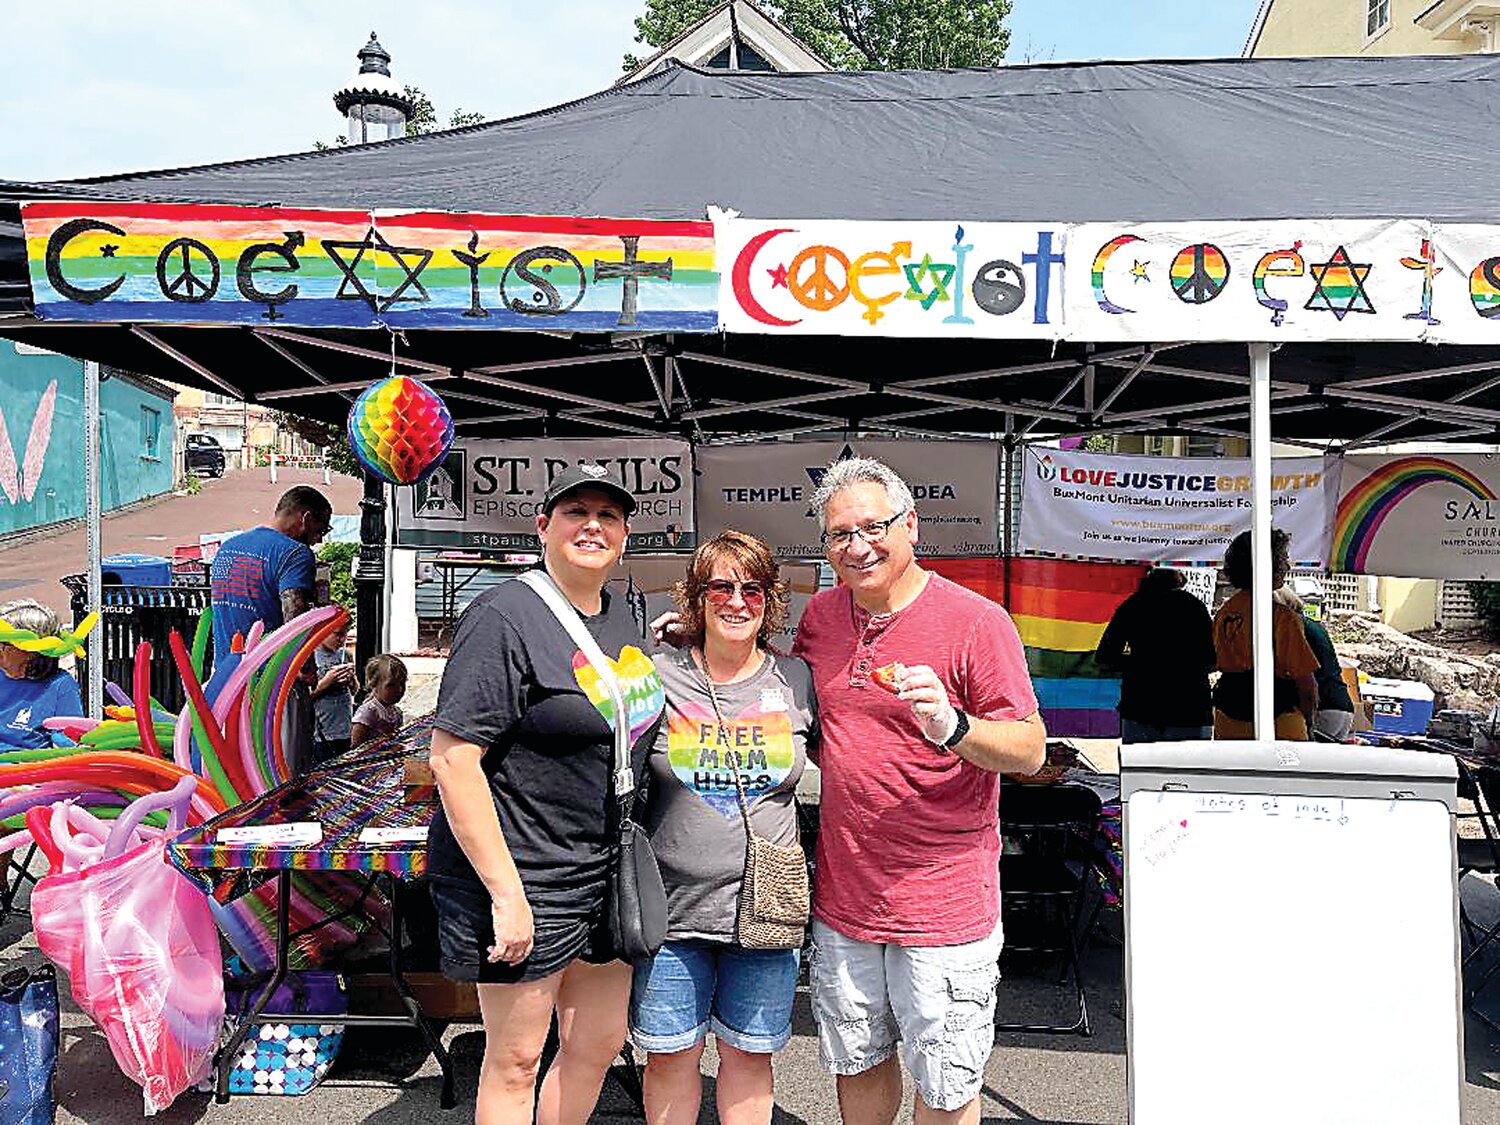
[[34, 617], [860, 470]]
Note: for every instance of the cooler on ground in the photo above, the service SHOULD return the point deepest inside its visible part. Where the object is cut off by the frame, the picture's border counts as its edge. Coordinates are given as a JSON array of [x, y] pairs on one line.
[[1399, 706]]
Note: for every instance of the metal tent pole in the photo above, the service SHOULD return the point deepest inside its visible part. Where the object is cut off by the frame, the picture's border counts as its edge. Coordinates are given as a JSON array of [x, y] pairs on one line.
[[369, 578], [1261, 606], [91, 501]]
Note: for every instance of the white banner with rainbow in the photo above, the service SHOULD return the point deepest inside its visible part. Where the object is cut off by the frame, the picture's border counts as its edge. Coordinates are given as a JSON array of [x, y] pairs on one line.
[[1419, 516]]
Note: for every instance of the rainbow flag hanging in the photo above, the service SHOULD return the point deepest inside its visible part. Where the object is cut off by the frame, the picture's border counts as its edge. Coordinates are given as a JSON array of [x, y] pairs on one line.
[[221, 264], [1060, 609]]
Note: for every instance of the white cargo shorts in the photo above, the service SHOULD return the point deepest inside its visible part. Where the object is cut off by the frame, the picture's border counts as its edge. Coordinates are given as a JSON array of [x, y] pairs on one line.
[[938, 1001]]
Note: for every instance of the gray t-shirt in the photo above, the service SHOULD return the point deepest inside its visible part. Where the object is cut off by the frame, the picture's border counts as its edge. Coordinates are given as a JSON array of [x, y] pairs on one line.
[[693, 814], [333, 709]]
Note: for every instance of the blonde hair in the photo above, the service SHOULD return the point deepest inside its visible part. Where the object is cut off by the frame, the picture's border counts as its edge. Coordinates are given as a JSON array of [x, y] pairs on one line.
[[381, 670]]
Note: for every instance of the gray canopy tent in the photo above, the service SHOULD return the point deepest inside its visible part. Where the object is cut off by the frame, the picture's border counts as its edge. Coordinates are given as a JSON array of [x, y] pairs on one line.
[[1169, 141]]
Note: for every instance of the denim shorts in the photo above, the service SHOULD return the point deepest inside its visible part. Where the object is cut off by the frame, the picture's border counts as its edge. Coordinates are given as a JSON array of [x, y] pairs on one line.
[[939, 1001], [690, 987]]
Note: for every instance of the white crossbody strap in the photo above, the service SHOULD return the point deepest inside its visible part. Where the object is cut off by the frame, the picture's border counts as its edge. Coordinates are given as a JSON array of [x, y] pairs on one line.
[[541, 582]]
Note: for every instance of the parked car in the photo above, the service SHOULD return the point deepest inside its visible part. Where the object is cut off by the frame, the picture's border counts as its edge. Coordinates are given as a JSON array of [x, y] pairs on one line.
[[205, 455]]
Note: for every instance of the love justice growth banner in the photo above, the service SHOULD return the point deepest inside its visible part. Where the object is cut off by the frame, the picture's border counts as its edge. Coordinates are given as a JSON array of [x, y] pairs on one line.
[[158, 263], [1167, 509], [766, 489], [488, 493], [831, 277], [1419, 516]]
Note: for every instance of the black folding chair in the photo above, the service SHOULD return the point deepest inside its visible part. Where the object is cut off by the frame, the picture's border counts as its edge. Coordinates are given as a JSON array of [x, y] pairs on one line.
[[1045, 877], [1479, 783]]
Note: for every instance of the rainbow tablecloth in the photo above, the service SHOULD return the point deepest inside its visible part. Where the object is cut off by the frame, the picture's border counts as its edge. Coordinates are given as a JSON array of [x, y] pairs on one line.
[[360, 790]]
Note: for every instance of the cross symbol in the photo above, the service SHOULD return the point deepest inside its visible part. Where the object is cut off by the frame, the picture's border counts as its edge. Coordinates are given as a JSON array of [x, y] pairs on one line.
[[630, 271]]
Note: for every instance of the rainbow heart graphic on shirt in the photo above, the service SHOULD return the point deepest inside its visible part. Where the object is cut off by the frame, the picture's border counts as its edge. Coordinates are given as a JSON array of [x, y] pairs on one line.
[[703, 759], [639, 683]]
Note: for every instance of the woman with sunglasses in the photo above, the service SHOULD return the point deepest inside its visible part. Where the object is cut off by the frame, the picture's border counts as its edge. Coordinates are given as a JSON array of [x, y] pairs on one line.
[[733, 705]]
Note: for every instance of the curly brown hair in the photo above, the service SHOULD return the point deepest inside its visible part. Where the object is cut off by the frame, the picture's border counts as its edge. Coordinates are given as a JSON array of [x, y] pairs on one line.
[[754, 560]]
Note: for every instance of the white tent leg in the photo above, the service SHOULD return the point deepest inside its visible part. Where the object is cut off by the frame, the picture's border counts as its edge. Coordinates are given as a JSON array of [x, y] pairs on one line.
[[91, 501], [1260, 538]]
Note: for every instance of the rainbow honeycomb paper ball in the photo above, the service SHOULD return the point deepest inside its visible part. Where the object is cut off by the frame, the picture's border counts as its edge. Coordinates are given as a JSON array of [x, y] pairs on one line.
[[400, 430]]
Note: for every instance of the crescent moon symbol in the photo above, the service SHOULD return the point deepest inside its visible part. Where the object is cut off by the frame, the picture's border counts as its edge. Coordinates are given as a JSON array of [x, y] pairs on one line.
[[740, 279], [1100, 261]]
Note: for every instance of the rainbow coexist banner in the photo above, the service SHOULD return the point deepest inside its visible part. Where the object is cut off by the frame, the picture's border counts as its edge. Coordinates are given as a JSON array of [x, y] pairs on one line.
[[1419, 517], [211, 264]]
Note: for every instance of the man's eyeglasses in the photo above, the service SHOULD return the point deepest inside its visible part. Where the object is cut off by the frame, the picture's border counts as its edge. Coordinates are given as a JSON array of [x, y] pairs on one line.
[[874, 532], [721, 590]]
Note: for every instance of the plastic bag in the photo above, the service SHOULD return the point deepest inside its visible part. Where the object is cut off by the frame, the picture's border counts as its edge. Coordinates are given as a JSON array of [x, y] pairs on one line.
[[140, 949]]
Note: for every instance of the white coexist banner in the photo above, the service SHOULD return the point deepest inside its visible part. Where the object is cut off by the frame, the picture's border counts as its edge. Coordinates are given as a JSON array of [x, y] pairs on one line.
[[488, 493], [1419, 516], [930, 279], [1167, 509], [1283, 280], [767, 490]]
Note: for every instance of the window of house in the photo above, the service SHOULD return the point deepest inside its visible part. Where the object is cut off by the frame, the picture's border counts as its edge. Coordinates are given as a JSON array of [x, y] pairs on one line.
[[211, 398], [1377, 16], [150, 432]]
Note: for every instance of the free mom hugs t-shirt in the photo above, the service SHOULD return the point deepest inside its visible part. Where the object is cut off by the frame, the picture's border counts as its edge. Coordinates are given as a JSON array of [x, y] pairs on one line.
[[693, 815]]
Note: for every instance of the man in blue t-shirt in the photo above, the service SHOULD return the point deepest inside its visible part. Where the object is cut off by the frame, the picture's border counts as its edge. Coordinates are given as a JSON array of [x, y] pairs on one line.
[[267, 574]]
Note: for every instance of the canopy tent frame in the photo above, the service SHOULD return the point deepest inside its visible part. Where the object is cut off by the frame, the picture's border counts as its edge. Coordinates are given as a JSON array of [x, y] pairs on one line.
[[771, 145]]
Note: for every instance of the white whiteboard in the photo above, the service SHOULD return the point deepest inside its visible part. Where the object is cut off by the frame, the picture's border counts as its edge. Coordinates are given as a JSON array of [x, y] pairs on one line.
[[1291, 959]]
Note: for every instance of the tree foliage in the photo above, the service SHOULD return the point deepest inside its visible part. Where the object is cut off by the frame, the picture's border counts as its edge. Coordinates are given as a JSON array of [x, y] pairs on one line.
[[863, 34], [328, 437], [1486, 597]]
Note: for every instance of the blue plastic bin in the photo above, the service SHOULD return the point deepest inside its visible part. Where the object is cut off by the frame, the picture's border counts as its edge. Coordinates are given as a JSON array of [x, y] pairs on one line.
[[136, 570]]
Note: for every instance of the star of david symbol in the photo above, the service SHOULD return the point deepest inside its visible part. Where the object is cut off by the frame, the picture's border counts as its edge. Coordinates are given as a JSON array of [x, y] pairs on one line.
[[778, 276], [941, 275], [1340, 286], [1138, 271], [816, 474], [374, 242]]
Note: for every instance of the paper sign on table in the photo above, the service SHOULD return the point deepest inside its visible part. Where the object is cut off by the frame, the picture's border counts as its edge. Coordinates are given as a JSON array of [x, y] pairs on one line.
[[417, 835], [300, 834]]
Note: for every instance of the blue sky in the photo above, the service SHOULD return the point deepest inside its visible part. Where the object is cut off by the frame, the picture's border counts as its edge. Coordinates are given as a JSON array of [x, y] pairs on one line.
[[93, 87]]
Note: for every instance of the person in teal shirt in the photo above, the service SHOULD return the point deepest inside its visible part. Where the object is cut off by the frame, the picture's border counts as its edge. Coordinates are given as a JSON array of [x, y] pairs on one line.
[[32, 687]]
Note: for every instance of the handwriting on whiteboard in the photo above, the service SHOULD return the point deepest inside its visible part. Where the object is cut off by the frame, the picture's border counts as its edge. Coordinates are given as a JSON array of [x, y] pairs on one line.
[[1329, 809]]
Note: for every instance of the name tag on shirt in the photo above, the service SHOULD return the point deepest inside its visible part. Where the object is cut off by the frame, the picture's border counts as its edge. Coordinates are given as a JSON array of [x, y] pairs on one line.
[[771, 699]]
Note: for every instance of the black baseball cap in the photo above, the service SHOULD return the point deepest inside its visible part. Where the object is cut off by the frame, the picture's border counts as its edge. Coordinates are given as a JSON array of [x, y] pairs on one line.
[[586, 476]]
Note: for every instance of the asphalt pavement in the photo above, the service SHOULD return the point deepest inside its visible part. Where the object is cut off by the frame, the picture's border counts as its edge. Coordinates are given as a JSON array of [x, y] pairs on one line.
[[31, 564]]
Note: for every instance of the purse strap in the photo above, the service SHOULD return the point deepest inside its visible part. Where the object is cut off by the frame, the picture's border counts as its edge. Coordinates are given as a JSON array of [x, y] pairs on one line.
[[543, 585], [739, 784]]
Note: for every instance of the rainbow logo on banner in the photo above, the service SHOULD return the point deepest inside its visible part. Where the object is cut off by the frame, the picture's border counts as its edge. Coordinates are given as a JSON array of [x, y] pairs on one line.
[[195, 263], [1060, 609], [1365, 506]]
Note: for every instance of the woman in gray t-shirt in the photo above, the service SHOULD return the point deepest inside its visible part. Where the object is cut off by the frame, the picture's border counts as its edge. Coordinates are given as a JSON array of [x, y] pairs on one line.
[[732, 602]]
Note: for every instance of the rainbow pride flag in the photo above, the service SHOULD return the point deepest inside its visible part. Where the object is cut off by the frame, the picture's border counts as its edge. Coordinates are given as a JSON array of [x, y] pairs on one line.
[[1060, 609], [216, 264]]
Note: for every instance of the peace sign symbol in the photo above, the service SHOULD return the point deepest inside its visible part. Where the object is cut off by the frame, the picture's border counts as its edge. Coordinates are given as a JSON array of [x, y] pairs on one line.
[[818, 290], [187, 285]]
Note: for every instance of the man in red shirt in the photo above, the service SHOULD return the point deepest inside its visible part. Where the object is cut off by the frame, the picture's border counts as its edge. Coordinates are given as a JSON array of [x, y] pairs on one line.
[[906, 908]]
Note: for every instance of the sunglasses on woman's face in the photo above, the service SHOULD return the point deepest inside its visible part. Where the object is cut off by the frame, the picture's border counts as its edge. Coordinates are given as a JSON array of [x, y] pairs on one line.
[[721, 590]]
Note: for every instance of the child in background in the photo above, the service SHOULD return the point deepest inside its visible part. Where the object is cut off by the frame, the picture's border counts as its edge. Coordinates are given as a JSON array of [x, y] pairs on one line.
[[378, 716], [333, 697]]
